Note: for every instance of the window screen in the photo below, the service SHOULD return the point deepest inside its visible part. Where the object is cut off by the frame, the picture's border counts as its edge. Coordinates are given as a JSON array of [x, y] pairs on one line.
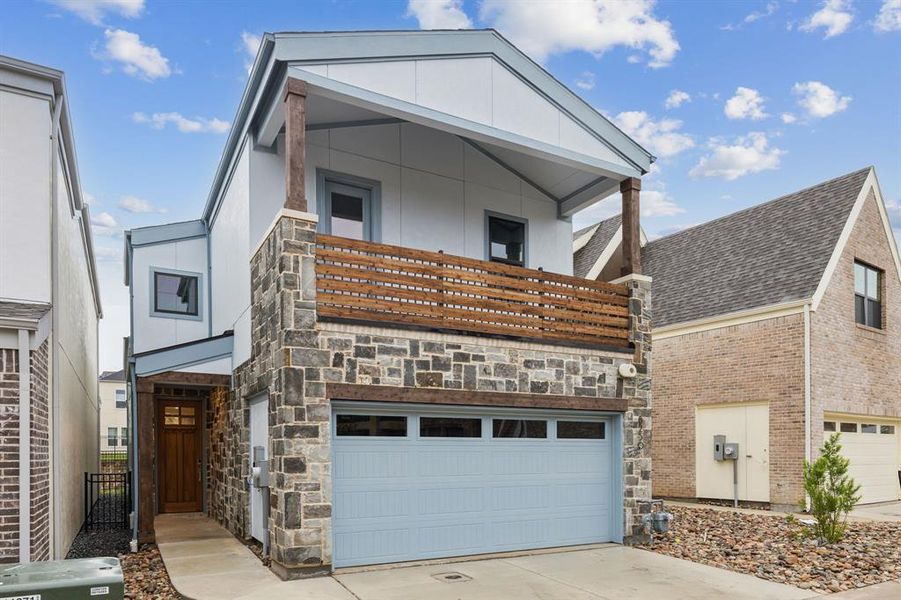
[[175, 294], [506, 241]]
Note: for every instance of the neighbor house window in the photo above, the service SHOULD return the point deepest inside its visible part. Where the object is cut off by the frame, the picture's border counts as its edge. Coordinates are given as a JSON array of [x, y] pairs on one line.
[[348, 206], [506, 240], [828, 425], [867, 295], [848, 427], [120, 398], [175, 294], [112, 437], [868, 428], [887, 429], [124, 436]]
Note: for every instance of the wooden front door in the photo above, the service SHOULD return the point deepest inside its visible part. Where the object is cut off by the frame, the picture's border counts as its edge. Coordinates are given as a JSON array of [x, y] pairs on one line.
[[179, 456]]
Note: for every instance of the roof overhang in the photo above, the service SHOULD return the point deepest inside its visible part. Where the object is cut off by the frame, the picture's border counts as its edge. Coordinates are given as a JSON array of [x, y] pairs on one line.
[[581, 180], [187, 356]]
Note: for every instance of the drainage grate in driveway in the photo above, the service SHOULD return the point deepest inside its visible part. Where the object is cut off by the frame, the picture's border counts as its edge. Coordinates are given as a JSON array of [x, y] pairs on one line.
[[451, 577]]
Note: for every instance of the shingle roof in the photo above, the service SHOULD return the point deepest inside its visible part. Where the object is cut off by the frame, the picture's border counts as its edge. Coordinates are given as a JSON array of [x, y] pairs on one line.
[[113, 375], [585, 257], [767, 254]]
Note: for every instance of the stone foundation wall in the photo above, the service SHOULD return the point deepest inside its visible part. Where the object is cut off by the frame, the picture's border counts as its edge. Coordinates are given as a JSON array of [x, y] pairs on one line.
[[294, 357], [227, 420]]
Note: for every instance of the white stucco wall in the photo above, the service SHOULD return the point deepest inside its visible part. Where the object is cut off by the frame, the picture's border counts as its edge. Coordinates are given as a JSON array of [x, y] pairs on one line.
[[25, 123], [152, 332], [75, 358]]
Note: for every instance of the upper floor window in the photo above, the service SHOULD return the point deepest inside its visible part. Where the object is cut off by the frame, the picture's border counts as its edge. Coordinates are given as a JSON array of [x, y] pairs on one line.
[[348, 206], [175, 294], [120, 398], [112, 436], [124, 436], [506, 240], [867, 295]]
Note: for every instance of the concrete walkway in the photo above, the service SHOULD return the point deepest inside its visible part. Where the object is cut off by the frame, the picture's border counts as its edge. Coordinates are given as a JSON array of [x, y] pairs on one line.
[[206, 562]]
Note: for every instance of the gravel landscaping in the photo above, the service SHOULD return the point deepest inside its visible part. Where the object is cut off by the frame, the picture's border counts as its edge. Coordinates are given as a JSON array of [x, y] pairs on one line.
[[774, 548]]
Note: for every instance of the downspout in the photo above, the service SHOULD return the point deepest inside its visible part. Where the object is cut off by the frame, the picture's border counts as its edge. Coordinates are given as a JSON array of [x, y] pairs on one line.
[[807, 392], [56, 516], [24, 447]]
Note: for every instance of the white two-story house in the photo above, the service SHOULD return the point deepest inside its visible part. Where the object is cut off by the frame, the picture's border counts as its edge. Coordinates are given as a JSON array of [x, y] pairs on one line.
[[370, 346]]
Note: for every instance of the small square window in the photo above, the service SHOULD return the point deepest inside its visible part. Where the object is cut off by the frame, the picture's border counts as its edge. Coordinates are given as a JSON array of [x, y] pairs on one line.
[[175, 294], [506, 241], [519, 428], [371, 425], [828, 425], [887, 429], [450, 427], [581, 430], [849, 427], [868, 428], [120, 398]]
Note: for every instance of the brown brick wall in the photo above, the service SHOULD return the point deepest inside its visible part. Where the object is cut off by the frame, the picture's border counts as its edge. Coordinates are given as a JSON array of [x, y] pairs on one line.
[[760, 361], [856, 370], [9, 454]]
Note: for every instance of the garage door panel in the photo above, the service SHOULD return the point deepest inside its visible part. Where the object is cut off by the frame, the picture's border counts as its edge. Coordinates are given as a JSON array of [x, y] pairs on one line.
[[874, 460], [440, 497]]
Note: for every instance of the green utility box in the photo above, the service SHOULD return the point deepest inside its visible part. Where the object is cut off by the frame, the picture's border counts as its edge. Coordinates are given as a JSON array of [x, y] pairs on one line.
[[78, 579]]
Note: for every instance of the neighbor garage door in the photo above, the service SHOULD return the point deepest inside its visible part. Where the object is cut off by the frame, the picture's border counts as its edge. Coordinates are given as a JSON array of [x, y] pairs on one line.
[[413, 485], [872, 448]]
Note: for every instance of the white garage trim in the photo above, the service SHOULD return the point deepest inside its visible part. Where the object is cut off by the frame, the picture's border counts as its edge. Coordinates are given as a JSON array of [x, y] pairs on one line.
[[412, 487]]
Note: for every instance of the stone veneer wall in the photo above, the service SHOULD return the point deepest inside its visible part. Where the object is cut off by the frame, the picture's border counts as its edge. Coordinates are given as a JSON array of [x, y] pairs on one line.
[[227, 420], [9, 454], [293, 357]]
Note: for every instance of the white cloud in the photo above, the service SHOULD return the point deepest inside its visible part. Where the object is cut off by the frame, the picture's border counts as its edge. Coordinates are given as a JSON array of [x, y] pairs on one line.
[[746, 155], [586, 81], [105, 224], [108, 254], [659, 137], [747, 103], [894, 210], [136, 58], [439, 14], [133, 204], [676, 99], [184, 124], [90, 199], [93, 11], [768, 11], [657, 203], [788, 118], [889, 17], [541, 29], [835, 17], [250, 43], [819, 100]]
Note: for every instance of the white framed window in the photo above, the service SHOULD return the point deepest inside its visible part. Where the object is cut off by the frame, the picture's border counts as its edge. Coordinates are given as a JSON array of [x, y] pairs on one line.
[[112, 437], [176, 294], [120, 398], [123, 436]]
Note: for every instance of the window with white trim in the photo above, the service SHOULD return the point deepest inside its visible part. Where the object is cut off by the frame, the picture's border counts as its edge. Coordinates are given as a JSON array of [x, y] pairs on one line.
[[120, 398], [112, 437]]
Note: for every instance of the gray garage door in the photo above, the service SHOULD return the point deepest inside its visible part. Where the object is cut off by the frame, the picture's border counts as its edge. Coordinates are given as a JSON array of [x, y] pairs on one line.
[[414, 485]]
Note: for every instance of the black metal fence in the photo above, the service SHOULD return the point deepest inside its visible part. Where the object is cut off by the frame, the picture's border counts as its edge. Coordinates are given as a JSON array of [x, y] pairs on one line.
[[107, 500]]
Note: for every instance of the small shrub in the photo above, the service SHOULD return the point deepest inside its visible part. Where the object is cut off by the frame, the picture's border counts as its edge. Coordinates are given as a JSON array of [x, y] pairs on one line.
[[831, 491]]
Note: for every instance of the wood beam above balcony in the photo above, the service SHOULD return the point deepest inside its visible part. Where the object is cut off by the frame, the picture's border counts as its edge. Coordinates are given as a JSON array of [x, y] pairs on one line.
[[295, 132]]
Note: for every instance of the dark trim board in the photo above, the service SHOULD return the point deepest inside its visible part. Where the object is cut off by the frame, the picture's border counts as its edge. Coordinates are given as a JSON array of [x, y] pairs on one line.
[[409, 395]]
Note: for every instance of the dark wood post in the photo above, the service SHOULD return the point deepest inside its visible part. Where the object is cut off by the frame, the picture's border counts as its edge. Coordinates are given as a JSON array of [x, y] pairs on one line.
[[146, 452], [631, 245], [295, 126]]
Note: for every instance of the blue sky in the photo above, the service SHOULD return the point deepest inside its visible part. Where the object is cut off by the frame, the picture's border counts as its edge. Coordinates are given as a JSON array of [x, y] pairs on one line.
[[741, 101]]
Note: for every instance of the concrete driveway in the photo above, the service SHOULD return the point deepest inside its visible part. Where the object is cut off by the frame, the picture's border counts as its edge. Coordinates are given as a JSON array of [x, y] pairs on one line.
[[887, 511], [606, 573]]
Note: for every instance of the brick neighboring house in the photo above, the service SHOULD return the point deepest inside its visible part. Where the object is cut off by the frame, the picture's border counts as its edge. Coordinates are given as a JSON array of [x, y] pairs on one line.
[[378, 300], [49, 310], [762, 333]]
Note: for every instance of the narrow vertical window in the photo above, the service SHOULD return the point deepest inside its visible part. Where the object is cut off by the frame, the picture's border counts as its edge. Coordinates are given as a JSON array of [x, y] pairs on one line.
[[112, 437], [867, 295], [120, 398]]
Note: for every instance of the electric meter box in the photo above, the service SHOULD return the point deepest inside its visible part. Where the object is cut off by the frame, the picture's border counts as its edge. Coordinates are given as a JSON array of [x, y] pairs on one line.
[[77, 579]]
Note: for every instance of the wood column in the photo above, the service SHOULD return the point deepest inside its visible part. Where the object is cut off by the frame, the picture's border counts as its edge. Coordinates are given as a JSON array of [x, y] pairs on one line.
[[145, 491], [295, 133], [631, 244]]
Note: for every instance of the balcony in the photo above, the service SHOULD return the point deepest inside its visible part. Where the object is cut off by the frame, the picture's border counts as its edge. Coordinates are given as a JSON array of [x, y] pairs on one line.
[[381, 284]]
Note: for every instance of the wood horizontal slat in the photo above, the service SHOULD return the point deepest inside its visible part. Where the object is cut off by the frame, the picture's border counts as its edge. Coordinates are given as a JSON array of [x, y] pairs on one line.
[[366, 281]]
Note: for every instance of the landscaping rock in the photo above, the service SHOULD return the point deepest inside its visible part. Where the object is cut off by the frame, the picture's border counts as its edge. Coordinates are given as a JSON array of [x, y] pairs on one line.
[[775, 548]]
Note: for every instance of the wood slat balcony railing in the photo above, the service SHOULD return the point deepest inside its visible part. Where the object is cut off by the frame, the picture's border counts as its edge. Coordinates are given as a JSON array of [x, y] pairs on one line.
[[384, 284]]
